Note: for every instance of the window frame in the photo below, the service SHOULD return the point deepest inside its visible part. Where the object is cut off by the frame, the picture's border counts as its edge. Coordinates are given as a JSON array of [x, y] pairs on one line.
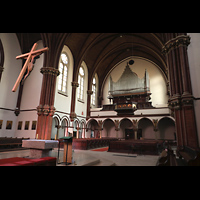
[[94, 88], [81, 82], [62, 73]]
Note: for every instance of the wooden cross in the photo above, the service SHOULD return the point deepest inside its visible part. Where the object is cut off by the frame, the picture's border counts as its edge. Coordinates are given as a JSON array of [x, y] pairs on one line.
[[29, 63]]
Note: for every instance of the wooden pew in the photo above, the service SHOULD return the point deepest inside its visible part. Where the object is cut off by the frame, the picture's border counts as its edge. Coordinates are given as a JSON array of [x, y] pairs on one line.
[[167, 158], [90, 143], [9, 142], [190, 155]]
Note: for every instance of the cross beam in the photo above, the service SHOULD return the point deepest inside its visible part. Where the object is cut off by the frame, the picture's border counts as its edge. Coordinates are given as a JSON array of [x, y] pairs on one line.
[[28, 57]]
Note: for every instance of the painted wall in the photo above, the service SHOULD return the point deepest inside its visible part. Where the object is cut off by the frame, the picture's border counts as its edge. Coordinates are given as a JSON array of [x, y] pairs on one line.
[[194, 64], [158, 87], [63, 102], [10, 73], [31, 97], [81, 106]]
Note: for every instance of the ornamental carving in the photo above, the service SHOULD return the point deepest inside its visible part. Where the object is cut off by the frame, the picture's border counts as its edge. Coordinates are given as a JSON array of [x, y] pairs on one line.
[[46, 110], [155, 123], [177, 103], [117, 125], [187, 100], [75, 84], [52, 111], [40, 110], [1, 69], [50, 70], [89, 92], [100, 122], [181, 40], [73, 116]]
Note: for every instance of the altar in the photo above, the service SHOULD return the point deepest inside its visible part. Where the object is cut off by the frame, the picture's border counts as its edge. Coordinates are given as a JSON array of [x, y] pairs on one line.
[[39, 148]]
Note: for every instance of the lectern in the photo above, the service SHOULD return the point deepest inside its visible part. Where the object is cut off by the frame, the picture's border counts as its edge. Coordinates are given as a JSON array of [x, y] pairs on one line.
[[67, 154]]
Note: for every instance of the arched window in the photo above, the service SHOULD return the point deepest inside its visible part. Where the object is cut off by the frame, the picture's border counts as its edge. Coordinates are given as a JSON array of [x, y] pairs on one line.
[[63, 68], [93, 99], [81, 83]]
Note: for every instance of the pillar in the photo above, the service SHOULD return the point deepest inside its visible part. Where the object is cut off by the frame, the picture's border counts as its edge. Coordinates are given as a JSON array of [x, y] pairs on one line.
[[89, 93], [155, 124], [117, 127], [73, 100], [46, 108], [100, 128], [181, 98]]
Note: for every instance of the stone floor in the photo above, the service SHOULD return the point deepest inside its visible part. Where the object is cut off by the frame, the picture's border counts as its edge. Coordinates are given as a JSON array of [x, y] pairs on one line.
[[97, 158], [94, 158], [121, 159]]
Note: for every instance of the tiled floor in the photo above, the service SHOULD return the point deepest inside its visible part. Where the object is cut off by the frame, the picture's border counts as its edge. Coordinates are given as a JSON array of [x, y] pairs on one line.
[[94, 158]]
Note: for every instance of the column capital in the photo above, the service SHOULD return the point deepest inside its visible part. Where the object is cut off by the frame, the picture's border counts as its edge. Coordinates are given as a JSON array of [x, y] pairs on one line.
[[75, 84], [181, 40], [50, 70], [1, 69], [89, 92]]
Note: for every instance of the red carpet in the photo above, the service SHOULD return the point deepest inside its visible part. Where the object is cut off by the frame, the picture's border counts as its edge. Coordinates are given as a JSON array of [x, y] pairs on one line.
[[102, 149]]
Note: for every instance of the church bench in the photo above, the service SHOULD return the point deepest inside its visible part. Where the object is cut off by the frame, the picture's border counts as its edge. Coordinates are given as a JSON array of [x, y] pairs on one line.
[[167, 158], [11, 142], [190, 155], [90, 143]]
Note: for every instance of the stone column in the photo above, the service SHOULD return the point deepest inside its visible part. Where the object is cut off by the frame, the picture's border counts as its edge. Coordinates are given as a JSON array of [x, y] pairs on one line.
[[73, 100], [89, 93], [155, 124], [77, 132], [181, 98], [117, 127], [100, 128], [46, 108]]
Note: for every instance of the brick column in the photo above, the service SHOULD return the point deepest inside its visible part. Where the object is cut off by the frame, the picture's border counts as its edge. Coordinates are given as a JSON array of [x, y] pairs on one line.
[[89, 93], [73, 100], [46, 108], [181, 98]]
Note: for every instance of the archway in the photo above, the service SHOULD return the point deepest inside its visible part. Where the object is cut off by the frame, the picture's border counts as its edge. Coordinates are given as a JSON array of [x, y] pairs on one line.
[[92, 129], [76, 129], [147, 128], [55, 128], [108, 128], [64, 128], [166, 128], [124, 124]]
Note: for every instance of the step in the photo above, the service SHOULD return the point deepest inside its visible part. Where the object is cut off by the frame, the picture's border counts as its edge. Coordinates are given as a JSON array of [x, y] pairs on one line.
[[92, 163], [104, 162]]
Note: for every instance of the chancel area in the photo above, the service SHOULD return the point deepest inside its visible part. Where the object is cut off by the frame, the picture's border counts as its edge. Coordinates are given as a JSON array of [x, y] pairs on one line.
[[117, 93]]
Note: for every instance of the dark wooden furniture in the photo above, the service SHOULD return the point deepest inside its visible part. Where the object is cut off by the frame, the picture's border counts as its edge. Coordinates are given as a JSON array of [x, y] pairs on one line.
[[91, 143], [168, 159], [67, 155], [148, 147], [10, 142], [190, 155]]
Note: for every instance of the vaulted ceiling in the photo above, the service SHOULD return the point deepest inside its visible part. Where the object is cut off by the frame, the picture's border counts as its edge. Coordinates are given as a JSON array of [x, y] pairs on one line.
[[100, 51]]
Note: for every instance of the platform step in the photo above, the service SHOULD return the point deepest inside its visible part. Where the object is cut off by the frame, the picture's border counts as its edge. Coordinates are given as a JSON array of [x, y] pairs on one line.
[[92, 163], [104, 162]]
